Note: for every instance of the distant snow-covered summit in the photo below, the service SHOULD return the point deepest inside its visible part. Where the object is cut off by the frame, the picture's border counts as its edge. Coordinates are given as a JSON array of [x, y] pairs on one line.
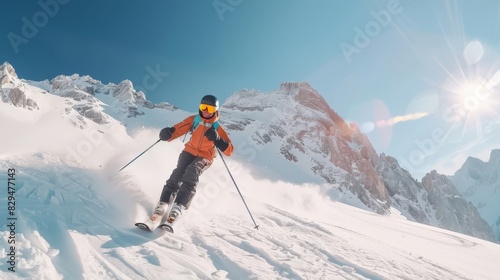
[[92, 99]]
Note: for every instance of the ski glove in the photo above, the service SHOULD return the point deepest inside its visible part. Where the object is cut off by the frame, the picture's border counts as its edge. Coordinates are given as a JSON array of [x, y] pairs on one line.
[[166, 133], [212, 134], [220, 143]]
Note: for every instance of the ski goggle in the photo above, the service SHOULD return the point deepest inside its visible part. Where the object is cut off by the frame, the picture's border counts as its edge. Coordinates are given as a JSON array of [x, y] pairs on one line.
[[211, 109]]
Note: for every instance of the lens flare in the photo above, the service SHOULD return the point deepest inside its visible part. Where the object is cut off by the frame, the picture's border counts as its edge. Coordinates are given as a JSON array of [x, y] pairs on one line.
[[397, 119], [473, 52]]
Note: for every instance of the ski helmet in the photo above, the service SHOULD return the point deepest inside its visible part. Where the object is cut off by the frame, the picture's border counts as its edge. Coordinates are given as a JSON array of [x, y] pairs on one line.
[[211, 101]]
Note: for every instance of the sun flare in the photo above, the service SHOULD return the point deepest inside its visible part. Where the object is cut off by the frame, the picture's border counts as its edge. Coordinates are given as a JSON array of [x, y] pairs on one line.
[[473, 97]]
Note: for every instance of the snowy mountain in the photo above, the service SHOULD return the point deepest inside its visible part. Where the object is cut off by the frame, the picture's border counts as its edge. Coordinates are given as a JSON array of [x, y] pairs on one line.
[[479, 183], [464, 217], [16, 94], [295, 160], [319, 146], [435, 201], [311, 138]]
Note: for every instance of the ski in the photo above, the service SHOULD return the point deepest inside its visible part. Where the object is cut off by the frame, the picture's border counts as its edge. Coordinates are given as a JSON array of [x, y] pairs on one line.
[[166, 227], [168, 223], [148, 225], [143, 226], [165, 223]]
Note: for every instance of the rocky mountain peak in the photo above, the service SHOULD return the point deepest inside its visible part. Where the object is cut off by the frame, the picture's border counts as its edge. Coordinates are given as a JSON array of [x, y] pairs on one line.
[[473, 161], [12, 90], [126, 93], [435, 180], [309, 133], [495, 157], [473, 168], [307, 96], [83, 94], [7, 74], [451, 210], [289, 86], [478, 170], [479, 183], [297, 88]]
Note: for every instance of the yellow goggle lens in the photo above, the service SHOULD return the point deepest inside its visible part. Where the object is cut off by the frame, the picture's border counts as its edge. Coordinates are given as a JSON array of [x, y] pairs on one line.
[[209, 108]]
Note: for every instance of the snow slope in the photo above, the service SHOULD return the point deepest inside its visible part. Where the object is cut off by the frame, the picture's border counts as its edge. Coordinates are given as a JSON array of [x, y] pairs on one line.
[[76, 223]]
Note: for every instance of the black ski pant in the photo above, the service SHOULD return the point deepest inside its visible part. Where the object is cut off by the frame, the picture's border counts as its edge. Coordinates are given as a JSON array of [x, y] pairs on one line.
[[182, 183]]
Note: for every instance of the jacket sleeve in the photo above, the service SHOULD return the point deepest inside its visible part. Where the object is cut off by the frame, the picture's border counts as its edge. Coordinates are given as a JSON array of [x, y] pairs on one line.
[[230, 148], [182, 128]]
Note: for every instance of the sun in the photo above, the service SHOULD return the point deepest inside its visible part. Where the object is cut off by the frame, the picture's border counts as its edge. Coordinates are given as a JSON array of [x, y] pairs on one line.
[[471, 89], [472, 103], [474, 97]]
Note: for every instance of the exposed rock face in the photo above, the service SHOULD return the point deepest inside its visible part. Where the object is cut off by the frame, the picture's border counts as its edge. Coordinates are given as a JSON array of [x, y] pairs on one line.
[[7, 74], [124, 92], [11, 89], [407, 195], [479, 183], [80, 93], [452, 211], [18, 98], [85, 91], [435, 201]]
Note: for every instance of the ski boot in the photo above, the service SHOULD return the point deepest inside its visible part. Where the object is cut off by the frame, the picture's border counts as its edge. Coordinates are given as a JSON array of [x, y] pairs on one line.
[[160, 210], [175, 212]]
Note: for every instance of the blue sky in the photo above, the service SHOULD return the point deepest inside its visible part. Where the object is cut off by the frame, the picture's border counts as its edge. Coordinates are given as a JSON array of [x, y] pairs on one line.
[[378, 63]]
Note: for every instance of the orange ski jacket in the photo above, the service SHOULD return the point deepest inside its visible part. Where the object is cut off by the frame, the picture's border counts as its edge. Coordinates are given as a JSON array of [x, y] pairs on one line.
[[199, 145]]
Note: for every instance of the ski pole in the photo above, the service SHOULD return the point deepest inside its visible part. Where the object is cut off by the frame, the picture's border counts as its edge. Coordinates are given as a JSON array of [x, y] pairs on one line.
[[139, 155], [234, 182]]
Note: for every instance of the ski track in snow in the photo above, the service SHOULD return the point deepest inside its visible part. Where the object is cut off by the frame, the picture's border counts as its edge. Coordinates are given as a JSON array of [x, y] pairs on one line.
[[73, 200]]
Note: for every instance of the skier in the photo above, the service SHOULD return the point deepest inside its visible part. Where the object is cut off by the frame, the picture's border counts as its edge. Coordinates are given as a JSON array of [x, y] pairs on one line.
[[197, 156]]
